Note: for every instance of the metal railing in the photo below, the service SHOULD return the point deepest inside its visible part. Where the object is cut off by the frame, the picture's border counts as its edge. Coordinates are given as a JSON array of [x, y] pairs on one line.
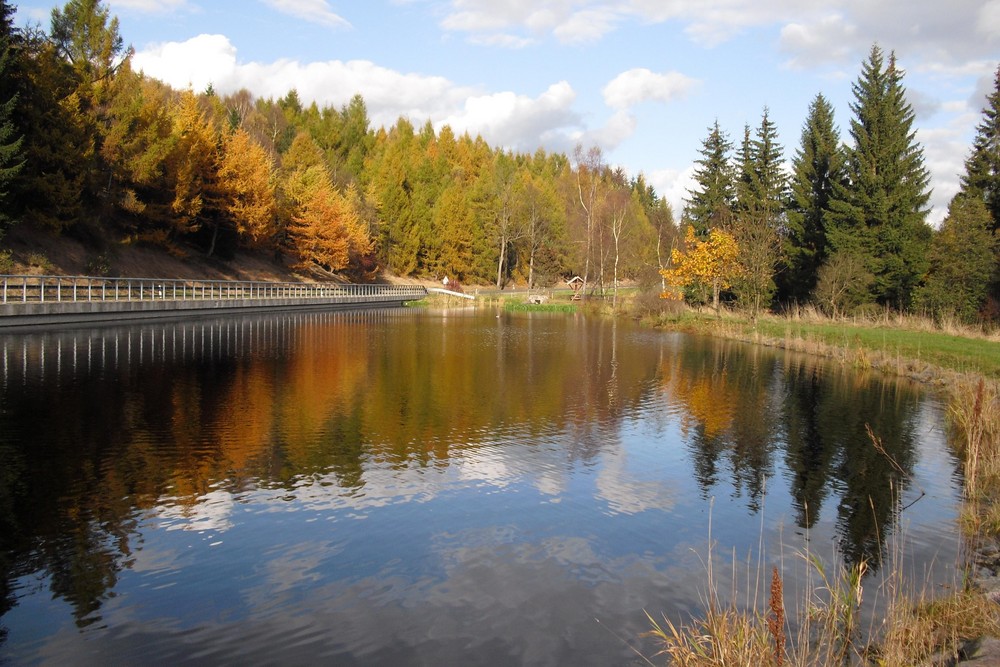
[[63, 289]]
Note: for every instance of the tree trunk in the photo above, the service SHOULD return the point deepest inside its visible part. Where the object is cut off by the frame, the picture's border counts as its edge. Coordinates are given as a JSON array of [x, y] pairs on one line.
[[215, 236], [500, 263], [531, 268]]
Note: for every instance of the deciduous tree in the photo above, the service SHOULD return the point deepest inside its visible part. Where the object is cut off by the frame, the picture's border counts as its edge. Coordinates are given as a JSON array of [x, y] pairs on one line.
[[709, 264], [246, 185]]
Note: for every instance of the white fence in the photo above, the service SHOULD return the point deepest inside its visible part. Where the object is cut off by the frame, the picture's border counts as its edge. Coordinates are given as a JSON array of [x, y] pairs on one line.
[[68, 289]]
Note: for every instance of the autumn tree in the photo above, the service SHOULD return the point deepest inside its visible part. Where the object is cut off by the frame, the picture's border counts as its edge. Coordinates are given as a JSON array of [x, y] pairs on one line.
[[879, 213], [137, 146], [390, 186], [541, 213], [496, 201], [589, 171], [454, 221], [325, 230], [87, 37], [194, 170], [816, 167], [704, 264], [246, 188], [622, 211]]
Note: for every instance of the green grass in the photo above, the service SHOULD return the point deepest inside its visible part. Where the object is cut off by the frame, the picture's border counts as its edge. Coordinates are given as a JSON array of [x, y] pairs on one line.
[[903, 342], [517, 307], [948, 351]]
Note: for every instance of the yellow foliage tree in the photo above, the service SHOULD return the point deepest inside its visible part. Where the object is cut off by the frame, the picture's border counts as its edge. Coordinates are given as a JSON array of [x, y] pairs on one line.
[[709, 263], [246, 182], [325, 229], [193, 166]]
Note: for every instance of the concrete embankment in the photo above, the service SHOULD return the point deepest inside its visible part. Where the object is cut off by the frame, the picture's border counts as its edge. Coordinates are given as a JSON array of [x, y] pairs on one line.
[[19, 315]]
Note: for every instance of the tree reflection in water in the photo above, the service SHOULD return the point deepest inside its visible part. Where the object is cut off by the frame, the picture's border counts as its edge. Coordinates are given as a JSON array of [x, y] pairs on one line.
[[102, 428]]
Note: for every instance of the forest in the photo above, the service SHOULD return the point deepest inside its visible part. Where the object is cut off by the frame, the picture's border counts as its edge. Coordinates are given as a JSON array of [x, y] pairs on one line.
[[90, 147]]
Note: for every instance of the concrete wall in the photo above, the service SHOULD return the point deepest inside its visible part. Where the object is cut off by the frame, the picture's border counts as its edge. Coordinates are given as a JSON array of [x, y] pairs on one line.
[[62, 313]]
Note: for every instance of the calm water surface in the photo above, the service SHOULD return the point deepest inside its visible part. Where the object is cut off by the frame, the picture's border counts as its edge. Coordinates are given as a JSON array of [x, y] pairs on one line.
[[402, 487]]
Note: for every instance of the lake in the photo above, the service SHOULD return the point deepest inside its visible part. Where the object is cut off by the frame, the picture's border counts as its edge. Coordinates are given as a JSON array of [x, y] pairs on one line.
[[417, 487]]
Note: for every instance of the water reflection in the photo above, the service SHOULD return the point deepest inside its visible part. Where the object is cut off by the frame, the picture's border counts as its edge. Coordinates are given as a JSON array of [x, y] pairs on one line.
[[462, 467]]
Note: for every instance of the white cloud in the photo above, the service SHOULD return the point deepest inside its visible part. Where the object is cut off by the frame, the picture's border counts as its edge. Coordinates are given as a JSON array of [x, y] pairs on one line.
[[148, 6], [989, 20], [619, 127], [944, 155], [502, 40], [197, 62], [586, 26], [515, 121], [673, 185], [641, 85], [314, 11]]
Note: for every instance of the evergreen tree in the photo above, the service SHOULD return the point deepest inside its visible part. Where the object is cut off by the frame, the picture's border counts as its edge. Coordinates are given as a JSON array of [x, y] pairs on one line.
[[761, 190], [817, 165], [879, 214], [86, 36], [962, 256], [11, 139], [710, 205], [982, 171], [58, 148], [982, 168]]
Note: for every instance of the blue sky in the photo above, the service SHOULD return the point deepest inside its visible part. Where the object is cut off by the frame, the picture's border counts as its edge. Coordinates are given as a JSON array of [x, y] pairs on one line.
[[642, 79]]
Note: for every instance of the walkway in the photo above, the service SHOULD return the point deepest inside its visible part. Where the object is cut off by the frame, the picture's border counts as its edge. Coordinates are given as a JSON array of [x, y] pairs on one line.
[[36, 300]]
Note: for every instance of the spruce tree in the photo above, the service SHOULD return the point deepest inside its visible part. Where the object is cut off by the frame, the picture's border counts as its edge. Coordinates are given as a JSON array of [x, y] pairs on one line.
[[982, 173], [762, 187], [962, 260], [711, 204], [817, 165], [11, 139], [982, 168], [879, 214]]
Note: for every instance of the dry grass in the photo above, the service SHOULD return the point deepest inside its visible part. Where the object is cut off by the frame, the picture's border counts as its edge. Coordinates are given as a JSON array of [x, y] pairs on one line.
[[824, 624]]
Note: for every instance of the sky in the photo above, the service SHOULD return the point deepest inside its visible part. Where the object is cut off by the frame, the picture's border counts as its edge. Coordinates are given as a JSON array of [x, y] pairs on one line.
[[641, 79]]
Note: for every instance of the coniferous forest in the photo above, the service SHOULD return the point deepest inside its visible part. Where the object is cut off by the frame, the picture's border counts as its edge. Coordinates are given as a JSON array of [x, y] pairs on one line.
[[93, 148]]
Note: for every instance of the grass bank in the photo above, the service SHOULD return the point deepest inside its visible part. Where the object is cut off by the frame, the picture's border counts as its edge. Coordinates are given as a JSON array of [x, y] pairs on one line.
[[919, 628]]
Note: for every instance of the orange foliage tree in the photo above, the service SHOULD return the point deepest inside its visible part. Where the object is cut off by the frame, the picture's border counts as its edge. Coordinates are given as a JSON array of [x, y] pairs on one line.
[[246, 183], [325, 229], [705, 263]]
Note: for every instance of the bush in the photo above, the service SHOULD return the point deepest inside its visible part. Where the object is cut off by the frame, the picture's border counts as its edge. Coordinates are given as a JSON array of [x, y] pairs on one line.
[[6, 261]]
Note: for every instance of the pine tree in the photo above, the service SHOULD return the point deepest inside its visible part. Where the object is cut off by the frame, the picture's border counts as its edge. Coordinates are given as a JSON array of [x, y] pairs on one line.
[[817, 165], [710, 205], [982, 168], [879, 214], [11, 139]]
